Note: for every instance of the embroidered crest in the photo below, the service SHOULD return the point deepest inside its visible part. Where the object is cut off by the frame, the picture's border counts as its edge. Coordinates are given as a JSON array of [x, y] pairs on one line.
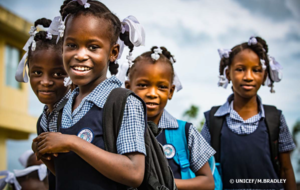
[[169, 151], [86, 134]]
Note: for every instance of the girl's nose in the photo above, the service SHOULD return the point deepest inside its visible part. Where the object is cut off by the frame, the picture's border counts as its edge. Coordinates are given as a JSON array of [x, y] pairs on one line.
[[152, 93], [81, 55], [248, 76], [46, 81]]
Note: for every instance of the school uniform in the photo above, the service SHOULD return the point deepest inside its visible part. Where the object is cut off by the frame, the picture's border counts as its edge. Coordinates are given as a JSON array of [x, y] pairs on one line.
[[245, 149], [72, 172], [200, 150], [48, 123]]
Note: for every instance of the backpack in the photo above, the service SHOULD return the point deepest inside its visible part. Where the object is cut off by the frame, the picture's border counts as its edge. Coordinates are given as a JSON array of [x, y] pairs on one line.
[[272, 117], [178, 138], [158, 174]]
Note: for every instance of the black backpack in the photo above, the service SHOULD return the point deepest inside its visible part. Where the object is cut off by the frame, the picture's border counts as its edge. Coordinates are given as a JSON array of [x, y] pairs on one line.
[[272, 116], [158, 174]]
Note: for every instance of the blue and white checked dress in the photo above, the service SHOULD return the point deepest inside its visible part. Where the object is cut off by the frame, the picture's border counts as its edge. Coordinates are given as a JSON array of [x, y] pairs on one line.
[[49, 122], [131, 135], [200, 150]]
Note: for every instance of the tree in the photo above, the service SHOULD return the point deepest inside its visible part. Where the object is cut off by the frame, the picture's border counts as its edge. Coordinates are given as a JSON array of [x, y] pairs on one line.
[[191, 113]]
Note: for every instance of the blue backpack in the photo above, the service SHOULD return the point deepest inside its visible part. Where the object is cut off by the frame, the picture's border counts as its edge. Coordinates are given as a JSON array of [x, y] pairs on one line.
[[177, 138]]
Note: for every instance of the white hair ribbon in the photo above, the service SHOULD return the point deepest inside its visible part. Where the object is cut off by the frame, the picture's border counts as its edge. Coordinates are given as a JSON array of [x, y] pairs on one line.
[[23, 159], [223, 81], [21, 73], [224, 53], [83, 3], [275, 69], [67, 81], [177, 83], [42, 171], [9, 178], [252, 41], [53, 28], [155, 55], [263, 64]]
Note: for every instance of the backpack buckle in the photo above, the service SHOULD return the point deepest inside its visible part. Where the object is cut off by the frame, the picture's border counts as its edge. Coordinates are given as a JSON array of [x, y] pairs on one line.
[[184, 164]]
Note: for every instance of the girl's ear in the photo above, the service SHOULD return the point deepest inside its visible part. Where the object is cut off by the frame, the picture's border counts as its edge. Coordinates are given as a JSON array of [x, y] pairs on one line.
[[172, 89], [228, 74], [114, 53], [127, 84]]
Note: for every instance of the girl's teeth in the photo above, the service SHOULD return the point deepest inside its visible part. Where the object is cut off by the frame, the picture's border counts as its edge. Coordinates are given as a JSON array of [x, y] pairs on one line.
[[82, 68]]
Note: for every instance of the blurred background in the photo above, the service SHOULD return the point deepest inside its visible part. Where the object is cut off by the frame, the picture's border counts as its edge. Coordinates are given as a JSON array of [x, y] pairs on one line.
[[192, 30]]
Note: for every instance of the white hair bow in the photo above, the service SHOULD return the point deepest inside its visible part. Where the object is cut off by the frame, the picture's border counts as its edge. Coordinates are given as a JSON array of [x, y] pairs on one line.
[[23, 159], [252, 41], [137, 38], [21, 73], [42, 171], [223, 81], [53, 28], [224, 53], [275, 69], [83, 3], [9, 178], [155, 55]]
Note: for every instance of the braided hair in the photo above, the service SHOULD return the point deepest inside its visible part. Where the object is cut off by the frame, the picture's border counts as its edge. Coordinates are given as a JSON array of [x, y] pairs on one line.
[[165, 56], [42, 43], [260, 48], [99, 10]]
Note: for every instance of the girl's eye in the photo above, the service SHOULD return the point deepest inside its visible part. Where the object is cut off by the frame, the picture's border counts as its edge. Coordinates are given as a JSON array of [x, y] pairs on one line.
[[37, 72], [239, 69], [58, 74], [163, 87], [73, 46], [93, 47], [257, 70], [142, 85]]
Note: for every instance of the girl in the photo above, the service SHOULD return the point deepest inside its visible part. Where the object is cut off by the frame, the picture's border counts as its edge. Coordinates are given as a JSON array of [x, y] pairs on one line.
[[151, 77], [89, 48], [244, 139]]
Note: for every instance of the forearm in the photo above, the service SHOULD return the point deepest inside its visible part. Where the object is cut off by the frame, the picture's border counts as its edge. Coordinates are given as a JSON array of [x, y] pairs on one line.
[[49, 164], [119, 168], [199, 182], [290, 183]]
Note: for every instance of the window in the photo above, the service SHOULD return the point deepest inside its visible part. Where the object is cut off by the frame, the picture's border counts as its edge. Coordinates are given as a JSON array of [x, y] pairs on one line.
[[12, 58]]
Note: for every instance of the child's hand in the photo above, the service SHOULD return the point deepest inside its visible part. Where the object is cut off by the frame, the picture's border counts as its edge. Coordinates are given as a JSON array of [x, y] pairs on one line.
[[51, 143]]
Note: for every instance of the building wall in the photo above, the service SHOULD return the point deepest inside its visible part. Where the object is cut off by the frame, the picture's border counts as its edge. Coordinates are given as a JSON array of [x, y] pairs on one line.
[[15, 121]]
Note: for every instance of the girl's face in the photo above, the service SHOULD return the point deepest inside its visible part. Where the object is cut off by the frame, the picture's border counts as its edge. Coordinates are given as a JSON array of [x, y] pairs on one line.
[[47, 75], [246, 74], [87, 49], [152, 82]]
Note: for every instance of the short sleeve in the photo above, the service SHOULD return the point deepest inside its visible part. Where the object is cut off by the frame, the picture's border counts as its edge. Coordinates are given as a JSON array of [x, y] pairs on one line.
[[200, 150], [285, 141], [205, 133], [131, 135]]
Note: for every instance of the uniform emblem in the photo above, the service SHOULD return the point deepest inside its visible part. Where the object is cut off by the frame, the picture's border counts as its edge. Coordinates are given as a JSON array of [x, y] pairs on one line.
[[86, 134], [169, 151]]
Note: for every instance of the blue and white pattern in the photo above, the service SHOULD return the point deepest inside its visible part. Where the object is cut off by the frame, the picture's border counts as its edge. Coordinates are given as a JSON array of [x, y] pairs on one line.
[[200, 150], [49, 122], [131, 135], [237, 125]]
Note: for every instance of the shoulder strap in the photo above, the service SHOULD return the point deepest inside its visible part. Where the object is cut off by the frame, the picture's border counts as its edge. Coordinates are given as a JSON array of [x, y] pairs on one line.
[[38, 125], [59, 117], [113, 111], [177, 137], [272, 115], [215, 126]]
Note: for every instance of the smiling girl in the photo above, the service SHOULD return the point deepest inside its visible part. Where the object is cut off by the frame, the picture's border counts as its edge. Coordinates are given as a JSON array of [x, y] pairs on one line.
[[252, 140], [89, 48]]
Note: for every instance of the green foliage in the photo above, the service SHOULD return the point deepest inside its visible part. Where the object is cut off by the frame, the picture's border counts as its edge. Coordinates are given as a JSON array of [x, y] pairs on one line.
[[192, 112]]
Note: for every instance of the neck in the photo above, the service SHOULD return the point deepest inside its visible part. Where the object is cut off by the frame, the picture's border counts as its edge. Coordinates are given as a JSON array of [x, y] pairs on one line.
[[156, 118], [85, 90], [50, 108], [245, 107]]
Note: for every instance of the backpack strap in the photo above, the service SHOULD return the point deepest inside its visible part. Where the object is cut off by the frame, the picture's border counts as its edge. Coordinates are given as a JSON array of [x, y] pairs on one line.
[[59, 117], [39, 129], [177, 138], [215, 125], [113, 112], [273, 122]]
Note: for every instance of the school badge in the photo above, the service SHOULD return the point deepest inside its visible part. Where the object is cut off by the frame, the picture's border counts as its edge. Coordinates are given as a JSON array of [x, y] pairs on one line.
[[169, 151], [86, 134]]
